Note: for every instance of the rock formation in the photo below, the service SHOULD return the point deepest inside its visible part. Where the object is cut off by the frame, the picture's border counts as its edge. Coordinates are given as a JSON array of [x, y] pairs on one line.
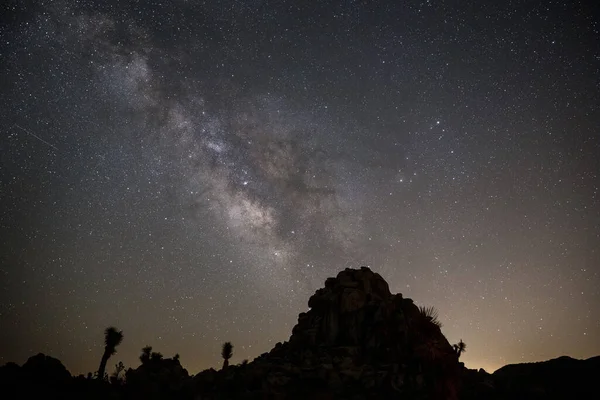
[[45, 368], [41, 375], [357, 341], [157, 378]]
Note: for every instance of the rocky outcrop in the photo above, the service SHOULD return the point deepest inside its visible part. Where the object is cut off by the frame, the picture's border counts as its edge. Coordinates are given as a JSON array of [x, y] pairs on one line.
[[43, 368], [357, 341], [40, 376], [158, 378]]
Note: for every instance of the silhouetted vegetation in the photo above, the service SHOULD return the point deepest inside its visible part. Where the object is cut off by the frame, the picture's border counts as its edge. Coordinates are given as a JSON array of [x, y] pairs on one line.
[[460, 348], [226, 353], [431, 315], [146, 353], [116, 377], [112, 338]]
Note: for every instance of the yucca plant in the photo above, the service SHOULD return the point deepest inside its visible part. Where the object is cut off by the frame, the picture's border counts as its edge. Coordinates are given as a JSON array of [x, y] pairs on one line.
[[431, 314]]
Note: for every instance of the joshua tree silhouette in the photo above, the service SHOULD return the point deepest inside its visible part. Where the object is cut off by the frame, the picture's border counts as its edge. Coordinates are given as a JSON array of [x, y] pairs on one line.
[[460, 348], [146, 352], [116, 378], [226, 353], [112, 338]]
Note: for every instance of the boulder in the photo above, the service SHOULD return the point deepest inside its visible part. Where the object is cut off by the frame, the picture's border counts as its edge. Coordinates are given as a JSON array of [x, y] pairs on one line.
[[357, 341]]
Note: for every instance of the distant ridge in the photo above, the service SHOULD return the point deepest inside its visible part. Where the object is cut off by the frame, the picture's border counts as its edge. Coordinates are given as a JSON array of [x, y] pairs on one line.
[[559, 378], [565, 361]]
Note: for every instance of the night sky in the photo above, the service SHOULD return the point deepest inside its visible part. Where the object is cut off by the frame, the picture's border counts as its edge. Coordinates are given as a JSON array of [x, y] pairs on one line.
[[192, 171]]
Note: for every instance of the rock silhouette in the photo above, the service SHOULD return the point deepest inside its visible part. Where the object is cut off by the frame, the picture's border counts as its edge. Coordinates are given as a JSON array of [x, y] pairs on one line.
[[158, 378], [357, 341], [41, 375]]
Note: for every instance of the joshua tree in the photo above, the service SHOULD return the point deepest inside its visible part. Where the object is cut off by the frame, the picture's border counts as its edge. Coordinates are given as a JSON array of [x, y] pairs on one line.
[[116, 376], [226, 352], [146, 352], [155, 356], [460, 348], [112, 338]]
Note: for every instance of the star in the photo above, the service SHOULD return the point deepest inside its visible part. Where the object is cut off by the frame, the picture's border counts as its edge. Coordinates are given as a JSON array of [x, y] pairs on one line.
[[181, 172]]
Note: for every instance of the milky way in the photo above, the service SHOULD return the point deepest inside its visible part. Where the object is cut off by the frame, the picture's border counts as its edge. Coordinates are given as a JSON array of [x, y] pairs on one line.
[[191, 173]]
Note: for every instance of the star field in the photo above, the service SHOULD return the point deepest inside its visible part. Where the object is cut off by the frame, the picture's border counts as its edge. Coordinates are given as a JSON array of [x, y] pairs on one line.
[[192, 171]]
